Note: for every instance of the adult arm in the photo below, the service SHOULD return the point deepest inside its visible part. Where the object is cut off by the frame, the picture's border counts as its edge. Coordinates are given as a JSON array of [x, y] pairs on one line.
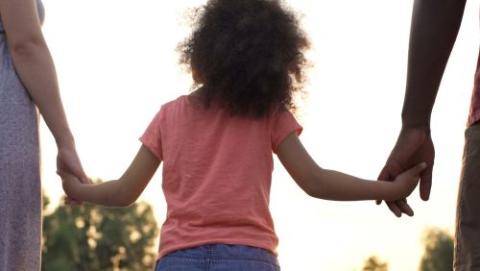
[[434, 28], [34, 65]]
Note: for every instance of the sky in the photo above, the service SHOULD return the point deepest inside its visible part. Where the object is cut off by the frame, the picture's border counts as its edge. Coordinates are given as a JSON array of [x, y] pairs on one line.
[[117, 64]]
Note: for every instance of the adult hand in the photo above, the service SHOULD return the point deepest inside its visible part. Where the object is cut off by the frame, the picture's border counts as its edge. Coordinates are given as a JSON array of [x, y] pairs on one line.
[[68, 161], [414, 145]]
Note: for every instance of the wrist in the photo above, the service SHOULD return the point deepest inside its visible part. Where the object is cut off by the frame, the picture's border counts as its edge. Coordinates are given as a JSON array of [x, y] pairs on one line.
[[421, 128], [415, 122], [389, 191], [65, 141]]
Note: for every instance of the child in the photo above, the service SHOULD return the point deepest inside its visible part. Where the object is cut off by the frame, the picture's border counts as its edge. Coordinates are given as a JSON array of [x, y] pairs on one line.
[[216, 144]]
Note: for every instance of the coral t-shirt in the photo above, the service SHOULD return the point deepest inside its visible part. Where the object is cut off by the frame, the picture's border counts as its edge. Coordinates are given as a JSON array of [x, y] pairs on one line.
[[217, 172]]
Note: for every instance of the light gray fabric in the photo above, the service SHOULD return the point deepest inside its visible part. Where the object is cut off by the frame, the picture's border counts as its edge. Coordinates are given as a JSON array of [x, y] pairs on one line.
[[20, 198]]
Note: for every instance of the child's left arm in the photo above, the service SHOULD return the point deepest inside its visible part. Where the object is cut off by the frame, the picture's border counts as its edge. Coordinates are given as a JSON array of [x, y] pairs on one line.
[[121, 192]]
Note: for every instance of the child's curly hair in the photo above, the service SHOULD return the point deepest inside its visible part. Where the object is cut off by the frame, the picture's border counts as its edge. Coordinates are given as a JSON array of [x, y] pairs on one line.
[[247, 54]]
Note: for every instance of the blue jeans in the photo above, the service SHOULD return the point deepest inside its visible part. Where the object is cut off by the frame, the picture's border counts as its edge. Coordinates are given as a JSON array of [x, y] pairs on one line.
[[219, 257]]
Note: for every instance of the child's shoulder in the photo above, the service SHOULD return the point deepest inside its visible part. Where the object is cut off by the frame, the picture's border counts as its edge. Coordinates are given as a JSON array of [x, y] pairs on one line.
[[179, 101], [173, 105]]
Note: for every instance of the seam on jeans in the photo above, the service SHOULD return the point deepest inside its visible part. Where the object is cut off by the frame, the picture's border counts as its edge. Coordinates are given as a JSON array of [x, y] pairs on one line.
[[209, 257]]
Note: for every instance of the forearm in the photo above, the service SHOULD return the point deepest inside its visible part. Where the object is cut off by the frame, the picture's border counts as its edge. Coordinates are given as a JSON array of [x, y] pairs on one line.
[[35, 67], [107, 193], [334, 185], [435, 25], [121, 192]]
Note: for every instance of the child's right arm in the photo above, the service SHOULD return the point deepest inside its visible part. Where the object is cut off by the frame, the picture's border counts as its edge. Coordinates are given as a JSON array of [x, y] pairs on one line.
[[333, 185]]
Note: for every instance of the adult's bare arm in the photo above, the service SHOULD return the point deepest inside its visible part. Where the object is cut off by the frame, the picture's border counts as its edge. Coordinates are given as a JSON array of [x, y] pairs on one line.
[[34, 65], [434, 28]]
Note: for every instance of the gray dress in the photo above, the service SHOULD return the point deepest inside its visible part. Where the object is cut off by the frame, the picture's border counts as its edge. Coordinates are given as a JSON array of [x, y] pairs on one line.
[[20, 198]]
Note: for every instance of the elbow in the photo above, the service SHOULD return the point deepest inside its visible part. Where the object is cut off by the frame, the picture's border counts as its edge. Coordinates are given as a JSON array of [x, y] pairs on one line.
[[317, 186], [312, 193], [317, 193], [125, 201], [312, 186], [124, 198], [308, 187]]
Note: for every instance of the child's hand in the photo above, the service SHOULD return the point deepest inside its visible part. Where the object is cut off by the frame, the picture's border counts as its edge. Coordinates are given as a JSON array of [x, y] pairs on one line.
[[406, 182], [70, 184]]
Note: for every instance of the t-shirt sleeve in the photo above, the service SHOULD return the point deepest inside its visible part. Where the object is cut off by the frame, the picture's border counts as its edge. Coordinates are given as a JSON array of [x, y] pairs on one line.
[[152, 137], [284, 123]]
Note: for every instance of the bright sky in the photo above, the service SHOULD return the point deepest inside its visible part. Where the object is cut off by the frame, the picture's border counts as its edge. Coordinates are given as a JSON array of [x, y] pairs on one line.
[[117, 64]]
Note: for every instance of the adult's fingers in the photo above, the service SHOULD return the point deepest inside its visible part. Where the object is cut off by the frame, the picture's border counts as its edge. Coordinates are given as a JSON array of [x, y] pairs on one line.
[[426, 183], [393, 206], [61, 173], [417, 170], [88, 181], [77, 170], [71, 163], [404, 207], [71, 202], [384, 176]]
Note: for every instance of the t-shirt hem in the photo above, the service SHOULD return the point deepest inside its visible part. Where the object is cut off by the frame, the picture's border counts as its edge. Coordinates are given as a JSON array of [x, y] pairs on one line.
[[151, 148], [297, 130]]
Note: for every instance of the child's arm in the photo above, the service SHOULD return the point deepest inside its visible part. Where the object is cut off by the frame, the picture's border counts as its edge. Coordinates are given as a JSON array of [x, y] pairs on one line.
[[332, 185], [121, 192]]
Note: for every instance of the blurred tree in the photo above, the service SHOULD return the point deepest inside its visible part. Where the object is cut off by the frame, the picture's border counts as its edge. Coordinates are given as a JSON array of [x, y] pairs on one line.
[[438, 255], [374, 264], [90, 238]]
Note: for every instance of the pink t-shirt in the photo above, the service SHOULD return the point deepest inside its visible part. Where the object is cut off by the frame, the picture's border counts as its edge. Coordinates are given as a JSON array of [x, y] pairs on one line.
[[217, 172]]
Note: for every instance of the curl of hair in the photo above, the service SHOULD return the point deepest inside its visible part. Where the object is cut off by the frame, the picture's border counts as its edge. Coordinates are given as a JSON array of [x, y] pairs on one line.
[[248, 55]]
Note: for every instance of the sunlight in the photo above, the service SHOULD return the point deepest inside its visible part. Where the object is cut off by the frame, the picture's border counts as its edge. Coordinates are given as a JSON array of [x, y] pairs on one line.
[[117, 64]]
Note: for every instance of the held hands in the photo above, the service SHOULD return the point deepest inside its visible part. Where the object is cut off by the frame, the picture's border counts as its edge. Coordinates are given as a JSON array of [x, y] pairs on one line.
[[68, 161], [70, 184], [405, 183], [414, 145], [69, 164]]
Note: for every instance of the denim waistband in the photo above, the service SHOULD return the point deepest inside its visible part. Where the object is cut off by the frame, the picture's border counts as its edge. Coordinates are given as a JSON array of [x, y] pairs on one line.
[[224, 252]]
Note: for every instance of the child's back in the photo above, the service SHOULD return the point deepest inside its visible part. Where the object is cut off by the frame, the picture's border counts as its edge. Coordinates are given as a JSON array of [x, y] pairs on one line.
[[216, 174]]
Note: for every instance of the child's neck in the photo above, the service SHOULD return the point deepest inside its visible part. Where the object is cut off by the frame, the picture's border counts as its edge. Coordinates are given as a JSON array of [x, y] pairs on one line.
[[196, 97], [198, 93]]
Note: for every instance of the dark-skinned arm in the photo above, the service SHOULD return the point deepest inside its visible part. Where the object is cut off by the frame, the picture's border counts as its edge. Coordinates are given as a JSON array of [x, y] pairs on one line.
[[434, 29]]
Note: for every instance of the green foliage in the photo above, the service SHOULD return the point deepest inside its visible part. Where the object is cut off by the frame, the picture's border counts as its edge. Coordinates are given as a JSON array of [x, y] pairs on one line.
[[90, 238], [438, 255], [374, 264]]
